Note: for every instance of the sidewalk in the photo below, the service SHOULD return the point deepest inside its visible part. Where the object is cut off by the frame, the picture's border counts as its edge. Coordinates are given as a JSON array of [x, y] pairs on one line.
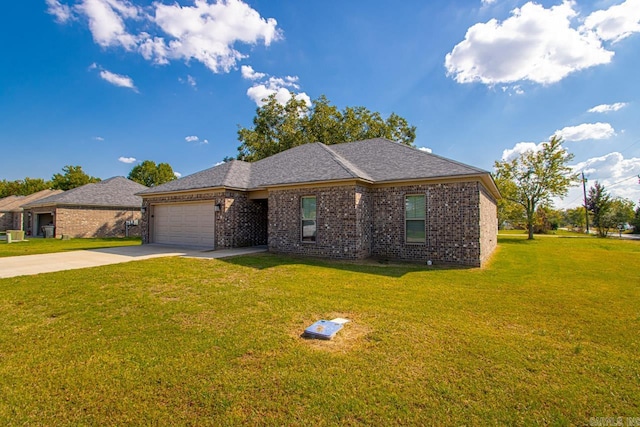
[[60, 261]]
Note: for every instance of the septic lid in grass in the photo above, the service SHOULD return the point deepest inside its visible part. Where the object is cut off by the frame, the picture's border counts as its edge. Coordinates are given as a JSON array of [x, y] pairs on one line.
[[323, 329]]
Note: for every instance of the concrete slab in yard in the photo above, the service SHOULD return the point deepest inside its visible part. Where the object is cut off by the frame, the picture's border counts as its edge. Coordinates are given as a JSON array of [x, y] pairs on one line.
[[47, 263]]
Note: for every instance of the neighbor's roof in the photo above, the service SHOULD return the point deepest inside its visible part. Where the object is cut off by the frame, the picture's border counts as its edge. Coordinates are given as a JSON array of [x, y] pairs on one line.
[[118, 192], [14, 203], [376, 160]]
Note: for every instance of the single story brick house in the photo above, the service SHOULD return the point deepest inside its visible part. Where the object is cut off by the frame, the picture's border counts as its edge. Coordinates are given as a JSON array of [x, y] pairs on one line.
[[372, 198], [11, 212], [108, 208]]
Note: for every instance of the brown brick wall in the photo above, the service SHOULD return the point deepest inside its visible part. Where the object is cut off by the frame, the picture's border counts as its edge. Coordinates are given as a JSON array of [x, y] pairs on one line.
[[488, 225], [452, 223], [84, 221], [337, 233], [6, 221], [95, 222], [364, 224], [243, 221]]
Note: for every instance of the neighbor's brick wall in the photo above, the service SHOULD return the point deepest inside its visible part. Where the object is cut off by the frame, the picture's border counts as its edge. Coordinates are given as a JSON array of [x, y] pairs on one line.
[[488, 225], [94, 222], [241, 221], [453, 224], [337, 233], [6, 221], [18, 223]]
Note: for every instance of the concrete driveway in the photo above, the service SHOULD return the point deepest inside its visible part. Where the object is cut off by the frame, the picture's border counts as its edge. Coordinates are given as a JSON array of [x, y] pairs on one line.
[[47, 263]]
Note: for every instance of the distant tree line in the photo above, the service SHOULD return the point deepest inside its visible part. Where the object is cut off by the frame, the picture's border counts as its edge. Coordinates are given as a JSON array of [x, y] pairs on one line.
[[146, 173]]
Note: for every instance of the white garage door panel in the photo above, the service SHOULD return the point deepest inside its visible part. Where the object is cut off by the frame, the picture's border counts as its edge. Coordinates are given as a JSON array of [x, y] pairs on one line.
[[190, 224]]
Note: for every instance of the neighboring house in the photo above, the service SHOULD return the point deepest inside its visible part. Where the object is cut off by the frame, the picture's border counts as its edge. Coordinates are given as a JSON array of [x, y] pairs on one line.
[[373, 198], [11, 213], [108, 208]]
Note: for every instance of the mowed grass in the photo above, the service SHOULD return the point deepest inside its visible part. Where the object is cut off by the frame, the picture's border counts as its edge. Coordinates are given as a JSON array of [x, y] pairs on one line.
[[44, 246], [546, 334]]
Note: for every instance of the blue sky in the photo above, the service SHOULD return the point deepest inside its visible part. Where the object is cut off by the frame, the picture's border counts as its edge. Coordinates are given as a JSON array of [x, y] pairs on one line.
[[106, 84]]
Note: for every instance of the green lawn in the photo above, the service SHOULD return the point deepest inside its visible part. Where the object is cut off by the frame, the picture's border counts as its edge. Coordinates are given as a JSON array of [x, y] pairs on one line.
[[547, 334], [45, 246]]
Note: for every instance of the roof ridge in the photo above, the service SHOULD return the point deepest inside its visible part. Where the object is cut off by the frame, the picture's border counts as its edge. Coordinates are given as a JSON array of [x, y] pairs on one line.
[[352, 169]]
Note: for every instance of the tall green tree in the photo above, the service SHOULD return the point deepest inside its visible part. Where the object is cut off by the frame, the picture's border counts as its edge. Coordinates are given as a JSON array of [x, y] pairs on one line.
[[23, 187], [278, 127], [149, 174], [621, 213], [599, 205], [71, 177], [534, 177]]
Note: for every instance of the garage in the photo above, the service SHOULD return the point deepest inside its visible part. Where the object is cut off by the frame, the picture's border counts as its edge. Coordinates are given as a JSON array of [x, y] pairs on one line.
[[187, 224]]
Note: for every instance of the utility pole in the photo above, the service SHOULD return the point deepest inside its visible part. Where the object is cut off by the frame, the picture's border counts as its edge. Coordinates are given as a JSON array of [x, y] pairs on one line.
[[584, 191]]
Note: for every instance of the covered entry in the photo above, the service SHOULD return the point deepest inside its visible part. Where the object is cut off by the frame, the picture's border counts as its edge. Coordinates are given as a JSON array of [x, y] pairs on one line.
[[187, 224]]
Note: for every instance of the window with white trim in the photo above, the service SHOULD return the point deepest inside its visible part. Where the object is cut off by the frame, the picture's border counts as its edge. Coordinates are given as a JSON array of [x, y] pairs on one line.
[[415, 214], [308, 214]]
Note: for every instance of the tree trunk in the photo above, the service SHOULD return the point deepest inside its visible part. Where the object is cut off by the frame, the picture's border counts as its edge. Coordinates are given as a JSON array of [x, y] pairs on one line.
[[530, 227]]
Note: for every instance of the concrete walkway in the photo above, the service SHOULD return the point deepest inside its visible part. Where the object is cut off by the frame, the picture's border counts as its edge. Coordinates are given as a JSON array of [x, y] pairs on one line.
[[47, 263]]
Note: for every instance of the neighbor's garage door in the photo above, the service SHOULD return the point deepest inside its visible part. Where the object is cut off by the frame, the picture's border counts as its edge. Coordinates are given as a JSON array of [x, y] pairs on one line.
[[190, 224]]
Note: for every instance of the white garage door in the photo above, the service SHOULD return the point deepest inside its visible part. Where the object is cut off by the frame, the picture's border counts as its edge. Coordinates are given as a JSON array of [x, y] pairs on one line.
[[189, 224]]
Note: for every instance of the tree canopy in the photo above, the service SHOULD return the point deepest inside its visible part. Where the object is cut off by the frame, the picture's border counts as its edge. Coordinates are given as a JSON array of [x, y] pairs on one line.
[[23, 187], [534, 177], [71, 177], [149, 174], [278, 127], [608, 212]]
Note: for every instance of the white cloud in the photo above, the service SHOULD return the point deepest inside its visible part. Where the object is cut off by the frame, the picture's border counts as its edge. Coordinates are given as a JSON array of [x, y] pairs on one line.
[[177, 174], [605, 108], [616, 23], [219, 163], [194, 138], [106, 21], [249, 73], [61, 12], [534, 44], [205, 32], [488, 2], [520, 148], [280, 86], [191, 81], [586, 131], [127, 159], [118, 79], [617, 174], [98, 138], [208, 32], [425, 149]]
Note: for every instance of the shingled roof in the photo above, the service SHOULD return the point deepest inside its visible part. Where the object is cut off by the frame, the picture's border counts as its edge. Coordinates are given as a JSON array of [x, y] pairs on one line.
[[15, 203], [118, 192], [376, 160]]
